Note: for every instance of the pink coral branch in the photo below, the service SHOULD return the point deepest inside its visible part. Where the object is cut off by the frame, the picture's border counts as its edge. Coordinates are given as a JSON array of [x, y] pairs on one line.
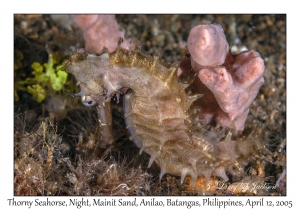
[[100, 31], [207, 45], [233, 80]]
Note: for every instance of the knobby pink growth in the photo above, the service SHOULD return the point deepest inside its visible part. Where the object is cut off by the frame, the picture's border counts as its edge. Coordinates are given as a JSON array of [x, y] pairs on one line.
[[208, 45], [229, 82], [100, 31]]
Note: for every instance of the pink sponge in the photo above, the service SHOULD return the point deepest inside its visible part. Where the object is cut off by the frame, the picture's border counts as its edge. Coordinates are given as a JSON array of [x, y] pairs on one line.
[[229, 82], [100, 31]]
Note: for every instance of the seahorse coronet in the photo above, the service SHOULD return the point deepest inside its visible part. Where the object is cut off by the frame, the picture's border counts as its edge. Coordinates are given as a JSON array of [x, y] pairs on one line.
[[159, 114]]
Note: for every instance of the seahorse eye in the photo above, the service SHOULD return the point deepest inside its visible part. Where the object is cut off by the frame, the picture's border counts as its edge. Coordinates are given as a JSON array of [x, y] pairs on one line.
[[88, 101]]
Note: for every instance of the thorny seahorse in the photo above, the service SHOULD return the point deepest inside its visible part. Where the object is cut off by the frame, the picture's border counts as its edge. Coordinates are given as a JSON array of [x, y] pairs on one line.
[[159, 114]]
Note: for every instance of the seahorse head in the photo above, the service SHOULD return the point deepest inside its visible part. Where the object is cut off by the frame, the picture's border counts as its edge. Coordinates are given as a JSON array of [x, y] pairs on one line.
[[90, 78]]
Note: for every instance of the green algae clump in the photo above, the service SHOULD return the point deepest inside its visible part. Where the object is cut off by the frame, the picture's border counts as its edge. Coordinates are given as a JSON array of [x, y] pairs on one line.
[[47, 77]]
